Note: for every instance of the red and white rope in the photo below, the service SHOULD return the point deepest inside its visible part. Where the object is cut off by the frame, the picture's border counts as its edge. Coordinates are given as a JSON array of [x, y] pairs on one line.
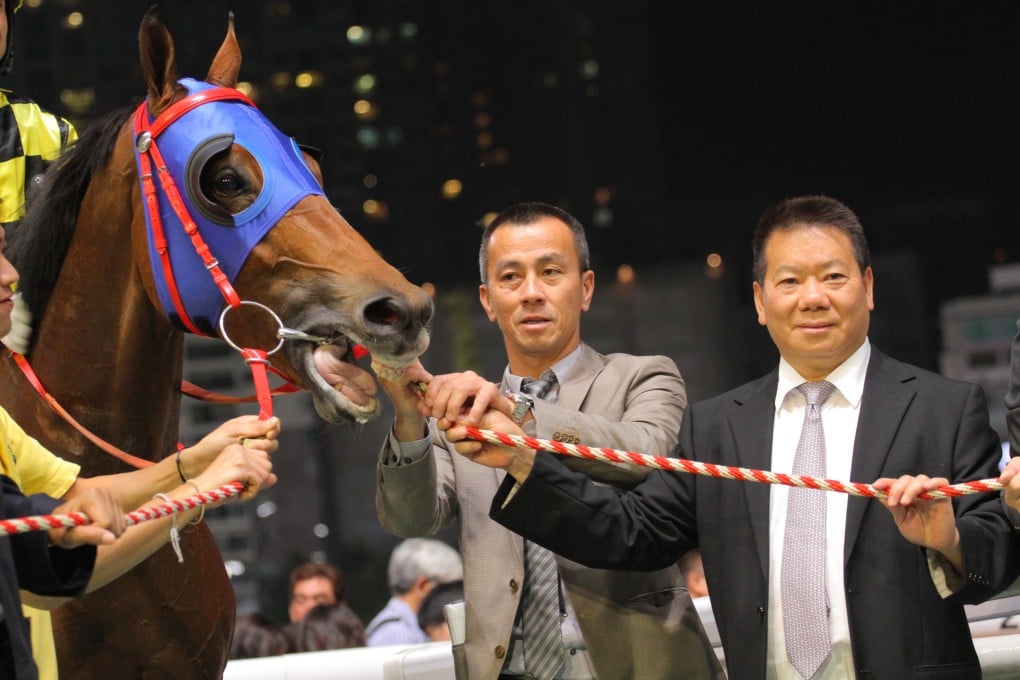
[[24, 525], [710, 470]]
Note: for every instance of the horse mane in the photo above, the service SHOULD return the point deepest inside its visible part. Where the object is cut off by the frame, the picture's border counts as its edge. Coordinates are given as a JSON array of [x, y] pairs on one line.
[[38, 245]]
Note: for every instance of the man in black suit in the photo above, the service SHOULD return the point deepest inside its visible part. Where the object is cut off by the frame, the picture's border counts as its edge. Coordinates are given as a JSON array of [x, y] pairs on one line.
[[896, 579], [58, 562]]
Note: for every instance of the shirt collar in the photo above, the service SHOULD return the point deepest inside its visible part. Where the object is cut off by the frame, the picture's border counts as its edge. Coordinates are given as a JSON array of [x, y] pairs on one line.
[[848, 377], [561, 369]]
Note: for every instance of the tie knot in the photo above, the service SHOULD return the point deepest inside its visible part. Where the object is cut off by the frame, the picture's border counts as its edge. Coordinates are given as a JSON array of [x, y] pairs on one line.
[[816, 392], [540, 386]]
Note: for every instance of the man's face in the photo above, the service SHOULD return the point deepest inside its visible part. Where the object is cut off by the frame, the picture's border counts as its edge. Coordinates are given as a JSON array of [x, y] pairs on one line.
[[8, 277], [535, 292], [815, 300], [307, 594]]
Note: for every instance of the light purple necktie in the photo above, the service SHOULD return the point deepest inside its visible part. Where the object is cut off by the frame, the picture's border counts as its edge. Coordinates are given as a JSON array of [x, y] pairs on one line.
[[805, 599]]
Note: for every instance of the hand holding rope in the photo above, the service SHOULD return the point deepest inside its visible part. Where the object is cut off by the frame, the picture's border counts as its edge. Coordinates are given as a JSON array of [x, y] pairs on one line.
[[691, 466], [22, 525]]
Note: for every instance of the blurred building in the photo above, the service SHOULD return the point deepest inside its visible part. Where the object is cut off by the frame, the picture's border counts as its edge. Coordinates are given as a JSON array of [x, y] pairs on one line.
[[977, 332]]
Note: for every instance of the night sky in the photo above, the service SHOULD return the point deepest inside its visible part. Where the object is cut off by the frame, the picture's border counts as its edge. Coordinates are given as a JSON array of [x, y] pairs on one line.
[[905, 111]]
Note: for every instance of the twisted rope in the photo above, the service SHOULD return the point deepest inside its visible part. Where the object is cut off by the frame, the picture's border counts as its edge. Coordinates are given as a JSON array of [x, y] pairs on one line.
[[24, 525], [711, 470]]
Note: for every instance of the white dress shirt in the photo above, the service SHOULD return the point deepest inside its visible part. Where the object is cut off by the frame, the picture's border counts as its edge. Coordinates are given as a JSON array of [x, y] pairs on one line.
[[840, 413]]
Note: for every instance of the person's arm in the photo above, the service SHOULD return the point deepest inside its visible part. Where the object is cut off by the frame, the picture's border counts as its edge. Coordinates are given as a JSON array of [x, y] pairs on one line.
[[646, 528], [134, 488], [971, 535], [236, 463], [60, 561], [416, 491]]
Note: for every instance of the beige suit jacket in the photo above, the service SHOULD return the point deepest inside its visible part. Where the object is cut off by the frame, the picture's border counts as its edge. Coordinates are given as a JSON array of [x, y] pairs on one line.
[[635, 624]]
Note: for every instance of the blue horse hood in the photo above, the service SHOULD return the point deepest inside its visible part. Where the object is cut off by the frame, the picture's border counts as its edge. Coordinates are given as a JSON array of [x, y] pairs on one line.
[[186, 145]]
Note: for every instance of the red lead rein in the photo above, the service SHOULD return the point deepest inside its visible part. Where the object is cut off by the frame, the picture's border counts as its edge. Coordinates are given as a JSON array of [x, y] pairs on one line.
[[710, 470], [24, 525]]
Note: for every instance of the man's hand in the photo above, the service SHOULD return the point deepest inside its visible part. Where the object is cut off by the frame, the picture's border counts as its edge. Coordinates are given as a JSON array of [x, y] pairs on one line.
[[248, 431], [930, 523], [516, 461], [105, 513], [1010, 480], [463, 397], [409, 424]]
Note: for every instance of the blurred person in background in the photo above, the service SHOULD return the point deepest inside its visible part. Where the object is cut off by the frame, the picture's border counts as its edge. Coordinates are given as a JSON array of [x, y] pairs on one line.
[[256, 636], [312, 584], [416, 566], [432, 615], [328, 626]]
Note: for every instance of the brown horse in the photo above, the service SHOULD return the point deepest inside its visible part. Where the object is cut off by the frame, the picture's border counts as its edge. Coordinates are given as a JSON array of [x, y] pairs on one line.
[[110, 352]]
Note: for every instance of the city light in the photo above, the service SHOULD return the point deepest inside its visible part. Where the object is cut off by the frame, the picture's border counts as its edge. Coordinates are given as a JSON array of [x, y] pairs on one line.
[[452, 188]]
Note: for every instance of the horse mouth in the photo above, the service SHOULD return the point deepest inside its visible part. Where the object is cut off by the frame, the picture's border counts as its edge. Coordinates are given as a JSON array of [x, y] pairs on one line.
[[341, 390]]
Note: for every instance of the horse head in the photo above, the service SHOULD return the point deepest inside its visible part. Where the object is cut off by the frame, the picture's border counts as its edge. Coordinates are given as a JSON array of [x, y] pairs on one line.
[[256, 200]]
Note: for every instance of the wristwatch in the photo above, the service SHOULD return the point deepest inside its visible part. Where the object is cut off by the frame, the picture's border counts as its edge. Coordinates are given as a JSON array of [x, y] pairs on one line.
[[522, 404]]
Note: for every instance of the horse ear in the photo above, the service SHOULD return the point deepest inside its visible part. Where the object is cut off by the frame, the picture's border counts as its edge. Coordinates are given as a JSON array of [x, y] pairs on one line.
[[156, 49], [227, 63]]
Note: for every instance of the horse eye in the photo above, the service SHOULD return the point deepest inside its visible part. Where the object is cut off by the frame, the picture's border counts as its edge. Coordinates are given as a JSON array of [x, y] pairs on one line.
[[227, 184]]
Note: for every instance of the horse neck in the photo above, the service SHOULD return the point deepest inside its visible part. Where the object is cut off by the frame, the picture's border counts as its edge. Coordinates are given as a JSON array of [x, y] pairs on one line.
[[103, 350]]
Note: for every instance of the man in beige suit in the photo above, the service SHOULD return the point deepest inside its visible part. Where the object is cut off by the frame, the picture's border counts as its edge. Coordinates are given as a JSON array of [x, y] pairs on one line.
[[536, 282]]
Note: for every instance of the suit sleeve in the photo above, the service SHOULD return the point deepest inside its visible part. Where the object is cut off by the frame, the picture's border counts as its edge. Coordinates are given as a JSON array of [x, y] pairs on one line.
[[647, 528], [41, 569], [419, 497], [991, 556]]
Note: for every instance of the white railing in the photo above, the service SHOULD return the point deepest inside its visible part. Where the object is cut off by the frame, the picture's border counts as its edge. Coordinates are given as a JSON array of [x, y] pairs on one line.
[[995, 626]]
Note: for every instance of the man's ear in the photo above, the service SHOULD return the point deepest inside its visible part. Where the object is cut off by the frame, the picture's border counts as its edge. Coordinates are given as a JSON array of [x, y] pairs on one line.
[[483, 297], [759, 303], [587, 289]]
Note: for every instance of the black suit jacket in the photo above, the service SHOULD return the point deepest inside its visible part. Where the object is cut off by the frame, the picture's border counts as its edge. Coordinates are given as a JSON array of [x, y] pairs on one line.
[[912, 421], [27, 562]]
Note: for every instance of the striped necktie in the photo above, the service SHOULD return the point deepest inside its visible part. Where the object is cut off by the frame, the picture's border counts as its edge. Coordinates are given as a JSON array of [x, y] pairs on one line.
[[543, 643]]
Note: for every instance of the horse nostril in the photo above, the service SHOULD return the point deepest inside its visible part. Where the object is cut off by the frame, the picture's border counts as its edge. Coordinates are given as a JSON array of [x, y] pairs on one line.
[[389, 312]]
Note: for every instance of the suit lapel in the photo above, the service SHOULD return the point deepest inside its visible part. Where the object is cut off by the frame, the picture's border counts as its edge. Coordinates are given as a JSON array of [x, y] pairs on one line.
[[752, 423], [888, 391], [575, 388]]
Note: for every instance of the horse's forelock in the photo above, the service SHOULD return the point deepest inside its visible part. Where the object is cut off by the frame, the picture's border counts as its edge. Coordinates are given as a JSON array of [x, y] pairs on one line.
[[39, 243]]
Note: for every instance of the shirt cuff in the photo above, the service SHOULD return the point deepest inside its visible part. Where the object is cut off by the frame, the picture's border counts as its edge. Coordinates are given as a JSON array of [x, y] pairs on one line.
[[510, 494], [399, 453], [943, 575]]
